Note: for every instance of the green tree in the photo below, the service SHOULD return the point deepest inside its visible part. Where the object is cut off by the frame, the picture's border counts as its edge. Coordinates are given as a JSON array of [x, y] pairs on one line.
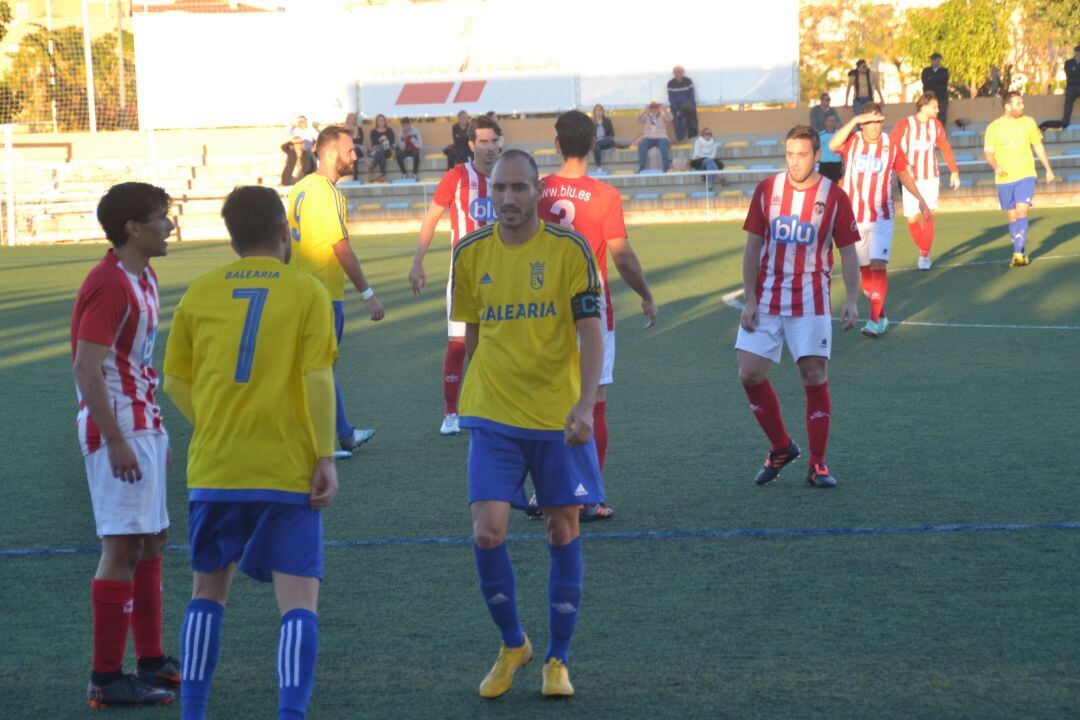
[[1043, 39], [824, 56], [972, 35]]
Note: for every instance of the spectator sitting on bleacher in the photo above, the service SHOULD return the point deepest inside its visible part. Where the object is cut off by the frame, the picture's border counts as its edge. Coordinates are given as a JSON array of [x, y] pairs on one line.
[[458, 150], [831, 164], [818, 113], [654, 118], [605, 133], [382, 146], [704, 156], [683, 103], [299, 161], [409, 145], [357, 134], [307, 133]]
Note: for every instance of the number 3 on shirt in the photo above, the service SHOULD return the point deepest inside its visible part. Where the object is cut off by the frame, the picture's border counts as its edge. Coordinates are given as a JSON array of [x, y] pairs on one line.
[[256, 298], [564, 209]]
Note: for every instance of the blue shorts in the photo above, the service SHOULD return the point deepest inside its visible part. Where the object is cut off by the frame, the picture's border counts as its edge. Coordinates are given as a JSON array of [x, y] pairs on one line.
[[262, 536], [562, 475], [1021, 191]]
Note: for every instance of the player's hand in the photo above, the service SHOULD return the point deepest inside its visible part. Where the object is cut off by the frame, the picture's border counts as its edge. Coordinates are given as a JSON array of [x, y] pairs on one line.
[[869, 117], [579, 425], [651, 311], [1050, 175], [954, 180], [375, 308], [324, 484], [849, 314], [749, 319], [927, 215], [1001, 172], [125, 465], [417, 278]]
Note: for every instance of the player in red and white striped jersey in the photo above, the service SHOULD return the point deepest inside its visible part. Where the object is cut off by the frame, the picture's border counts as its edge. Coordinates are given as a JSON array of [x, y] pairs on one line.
[[919, 137], [795, 218], [870, 160], [113, 327], [464, 189], [594, 209]]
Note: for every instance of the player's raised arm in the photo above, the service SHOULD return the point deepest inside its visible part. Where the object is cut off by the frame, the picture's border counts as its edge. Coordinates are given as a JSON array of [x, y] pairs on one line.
[[89, 358], [844, 133], [417, 276], [630, 270], [750, 269]]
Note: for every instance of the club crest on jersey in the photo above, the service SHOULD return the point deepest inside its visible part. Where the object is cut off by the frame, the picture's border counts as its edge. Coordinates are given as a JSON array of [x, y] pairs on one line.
[[482, 210], [819, 208], [536, 275], [789, 230], [868, 163]]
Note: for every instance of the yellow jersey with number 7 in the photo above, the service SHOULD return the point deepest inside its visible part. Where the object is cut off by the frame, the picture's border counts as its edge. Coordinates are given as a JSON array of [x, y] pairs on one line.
[[243, 337]]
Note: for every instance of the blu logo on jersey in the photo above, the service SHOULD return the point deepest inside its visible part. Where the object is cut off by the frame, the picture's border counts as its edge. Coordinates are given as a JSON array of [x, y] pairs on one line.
[[868, 163], [482, 210], [789, 230]]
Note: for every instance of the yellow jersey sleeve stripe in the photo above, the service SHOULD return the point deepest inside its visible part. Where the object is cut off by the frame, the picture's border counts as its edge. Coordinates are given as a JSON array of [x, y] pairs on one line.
[[343, 213], [583, 245], [472, 238]]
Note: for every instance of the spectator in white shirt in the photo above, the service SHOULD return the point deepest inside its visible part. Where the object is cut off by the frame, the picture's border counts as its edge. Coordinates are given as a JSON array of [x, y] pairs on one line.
[[409, 145], [705, 157]]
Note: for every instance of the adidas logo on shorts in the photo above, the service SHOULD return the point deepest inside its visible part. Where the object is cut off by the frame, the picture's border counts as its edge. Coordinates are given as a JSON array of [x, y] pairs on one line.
[[581, 491]]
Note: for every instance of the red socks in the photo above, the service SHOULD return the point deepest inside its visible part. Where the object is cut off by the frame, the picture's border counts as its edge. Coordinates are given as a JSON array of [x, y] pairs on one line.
[[453, 368], [875, 284], [146, 614], [599, 417], [766, 408], [818, 414], [923, 235], [112, 603]]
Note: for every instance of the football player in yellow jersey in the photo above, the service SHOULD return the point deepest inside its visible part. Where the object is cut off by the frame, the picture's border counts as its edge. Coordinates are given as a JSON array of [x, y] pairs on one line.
[[527, 291], [318, 225], [249, 362], [1007, 144]]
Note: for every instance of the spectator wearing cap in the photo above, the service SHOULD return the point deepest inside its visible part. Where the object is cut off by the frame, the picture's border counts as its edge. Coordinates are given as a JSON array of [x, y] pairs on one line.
[[683, 103], [862, 82], [409, 145], [655, 119], [818, 113], [1072, 85], [935, 79]]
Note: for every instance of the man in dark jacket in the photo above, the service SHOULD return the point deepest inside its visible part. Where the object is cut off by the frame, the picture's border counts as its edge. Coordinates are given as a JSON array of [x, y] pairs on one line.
[[680, 92], [935, 79], [1072, 85]]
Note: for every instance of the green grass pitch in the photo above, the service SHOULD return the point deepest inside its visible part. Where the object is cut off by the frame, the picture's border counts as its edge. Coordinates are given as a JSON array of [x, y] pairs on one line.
[[972, 420]]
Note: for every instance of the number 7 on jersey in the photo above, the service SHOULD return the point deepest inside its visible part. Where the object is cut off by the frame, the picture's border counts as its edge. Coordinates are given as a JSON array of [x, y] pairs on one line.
[[256, 298]]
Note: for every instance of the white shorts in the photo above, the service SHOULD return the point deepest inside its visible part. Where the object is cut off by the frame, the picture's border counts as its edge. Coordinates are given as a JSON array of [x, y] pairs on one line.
[[875, 241], [453, 329], [929, 189], [124, 508], [806, 335], [608, 368]]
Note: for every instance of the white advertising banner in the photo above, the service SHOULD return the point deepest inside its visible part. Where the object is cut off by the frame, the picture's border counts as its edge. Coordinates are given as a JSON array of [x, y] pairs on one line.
[[203, 70]]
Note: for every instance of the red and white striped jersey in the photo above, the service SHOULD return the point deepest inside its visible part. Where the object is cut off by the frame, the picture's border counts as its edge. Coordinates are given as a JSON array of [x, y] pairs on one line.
[[465, 190], [917, 141], [800, 228], [591, 208], [119, 310], [868, 173]]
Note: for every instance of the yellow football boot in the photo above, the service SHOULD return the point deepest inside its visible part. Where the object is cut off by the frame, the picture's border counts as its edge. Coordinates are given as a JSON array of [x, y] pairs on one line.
[[501, 676], [1019, 260], [557, 680]]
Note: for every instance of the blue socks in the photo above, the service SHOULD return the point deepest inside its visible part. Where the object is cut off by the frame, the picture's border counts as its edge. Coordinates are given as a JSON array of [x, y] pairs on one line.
[[564, 595], [497, 583], [1018, 230], [298, 646], [200, 639]]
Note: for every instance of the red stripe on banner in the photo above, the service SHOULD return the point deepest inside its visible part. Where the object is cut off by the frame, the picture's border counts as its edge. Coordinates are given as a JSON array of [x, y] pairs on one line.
[[432, 93], [470, 91]]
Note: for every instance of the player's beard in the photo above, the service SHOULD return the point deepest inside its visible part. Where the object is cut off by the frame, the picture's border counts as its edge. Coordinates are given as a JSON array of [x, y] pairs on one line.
[[522, 217], [344, 167]]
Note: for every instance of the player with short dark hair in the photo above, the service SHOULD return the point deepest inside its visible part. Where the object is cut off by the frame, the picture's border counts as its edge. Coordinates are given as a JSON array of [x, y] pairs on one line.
[[125, 446], [527, 290], [250, 363], [795, 218], [1007, 145], [318, 223], [870, 159], [918, 136], [464, 189], [574, 200]]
